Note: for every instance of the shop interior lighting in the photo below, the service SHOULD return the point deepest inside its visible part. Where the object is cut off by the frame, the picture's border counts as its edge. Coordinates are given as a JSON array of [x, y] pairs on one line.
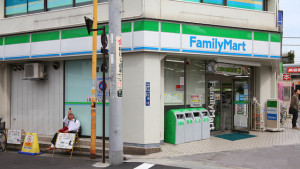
[[241, 76], [178, 61], [168, 68], [248, 63]]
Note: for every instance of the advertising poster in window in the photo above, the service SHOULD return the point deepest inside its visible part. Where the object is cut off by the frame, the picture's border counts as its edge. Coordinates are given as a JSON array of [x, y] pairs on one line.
[[196, 100]]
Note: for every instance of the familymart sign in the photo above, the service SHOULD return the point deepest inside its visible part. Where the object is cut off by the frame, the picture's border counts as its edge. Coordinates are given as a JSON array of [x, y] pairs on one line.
[[216, 45]]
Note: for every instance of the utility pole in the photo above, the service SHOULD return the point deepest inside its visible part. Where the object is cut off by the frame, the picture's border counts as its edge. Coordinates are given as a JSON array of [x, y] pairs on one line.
[[115, 74], [94, 67]]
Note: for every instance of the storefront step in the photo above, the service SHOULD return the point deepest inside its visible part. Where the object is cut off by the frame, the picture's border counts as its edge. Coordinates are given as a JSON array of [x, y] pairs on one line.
[[83, 141], [84, 148]]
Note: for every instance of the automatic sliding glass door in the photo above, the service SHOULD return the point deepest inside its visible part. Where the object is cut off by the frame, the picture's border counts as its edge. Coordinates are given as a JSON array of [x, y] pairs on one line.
[[241, 105]]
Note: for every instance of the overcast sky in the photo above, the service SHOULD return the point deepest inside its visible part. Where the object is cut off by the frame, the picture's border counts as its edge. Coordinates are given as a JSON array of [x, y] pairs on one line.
[[291, 25]]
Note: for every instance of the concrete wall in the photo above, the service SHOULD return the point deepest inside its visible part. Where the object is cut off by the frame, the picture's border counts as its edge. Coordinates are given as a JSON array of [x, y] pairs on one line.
[[212, 14], [265, 84], [5, 93], [1, 9], [142, 124], [162, 99], [174, 10], [68, 17], [37, 105]]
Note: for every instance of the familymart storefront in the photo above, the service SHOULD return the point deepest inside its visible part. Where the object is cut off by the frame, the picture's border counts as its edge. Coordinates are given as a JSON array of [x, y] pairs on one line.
[[221, 70], [173, 61]]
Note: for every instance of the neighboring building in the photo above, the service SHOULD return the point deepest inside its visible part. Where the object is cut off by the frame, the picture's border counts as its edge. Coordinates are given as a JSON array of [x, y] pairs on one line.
[[222, 52], [288, 57]]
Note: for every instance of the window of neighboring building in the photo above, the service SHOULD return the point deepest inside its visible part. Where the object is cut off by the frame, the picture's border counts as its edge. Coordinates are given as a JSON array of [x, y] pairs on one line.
[[59, 4], [21, 7], [35, 5], [246, 4], [219, 2]]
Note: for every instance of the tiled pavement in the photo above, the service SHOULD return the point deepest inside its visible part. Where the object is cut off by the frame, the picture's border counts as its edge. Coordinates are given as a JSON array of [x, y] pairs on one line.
[[263, 139]]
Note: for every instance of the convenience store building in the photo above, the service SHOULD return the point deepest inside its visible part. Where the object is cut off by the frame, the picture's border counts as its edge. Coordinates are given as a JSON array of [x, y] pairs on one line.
[[224, 64]]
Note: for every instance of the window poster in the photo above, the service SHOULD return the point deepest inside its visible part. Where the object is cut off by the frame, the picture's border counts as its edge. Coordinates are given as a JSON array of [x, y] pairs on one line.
[[196, 100]]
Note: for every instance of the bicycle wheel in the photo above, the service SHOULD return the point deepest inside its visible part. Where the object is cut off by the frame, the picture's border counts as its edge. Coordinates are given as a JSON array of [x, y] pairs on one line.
[[2, 141]]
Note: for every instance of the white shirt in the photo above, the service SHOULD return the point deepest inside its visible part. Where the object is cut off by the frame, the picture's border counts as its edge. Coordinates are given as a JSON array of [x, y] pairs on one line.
[[73, 125]]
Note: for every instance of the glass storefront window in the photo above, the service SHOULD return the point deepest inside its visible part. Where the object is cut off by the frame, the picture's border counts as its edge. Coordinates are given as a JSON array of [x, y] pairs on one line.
[[174, 81], [195, 72], [78, 85], [184, 83]]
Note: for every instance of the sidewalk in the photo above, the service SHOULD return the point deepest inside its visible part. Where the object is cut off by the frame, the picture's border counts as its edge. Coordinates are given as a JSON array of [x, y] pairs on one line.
[[263, 139]]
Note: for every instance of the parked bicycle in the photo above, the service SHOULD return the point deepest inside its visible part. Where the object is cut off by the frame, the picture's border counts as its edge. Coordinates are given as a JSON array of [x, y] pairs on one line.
[[2, 136]]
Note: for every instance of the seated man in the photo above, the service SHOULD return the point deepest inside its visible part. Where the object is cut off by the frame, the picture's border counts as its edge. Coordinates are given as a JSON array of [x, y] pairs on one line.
[[72, 126]]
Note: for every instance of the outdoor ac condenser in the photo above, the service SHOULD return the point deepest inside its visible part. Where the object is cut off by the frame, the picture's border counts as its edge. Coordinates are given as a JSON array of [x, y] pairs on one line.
[[34, 71]]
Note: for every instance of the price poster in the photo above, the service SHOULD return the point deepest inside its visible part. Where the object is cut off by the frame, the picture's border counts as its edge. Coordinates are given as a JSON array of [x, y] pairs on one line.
[[65, 140], [14, 137], [196, 100]]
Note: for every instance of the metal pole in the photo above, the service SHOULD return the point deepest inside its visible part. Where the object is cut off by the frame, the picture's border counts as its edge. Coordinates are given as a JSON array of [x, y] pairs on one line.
[[104, 69], [94, 67], [115, 108]]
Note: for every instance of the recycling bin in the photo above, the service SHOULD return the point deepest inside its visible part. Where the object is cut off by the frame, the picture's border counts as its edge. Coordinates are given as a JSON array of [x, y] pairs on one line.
[[189, 126], [174, 126], [204, 114], [197, 125]]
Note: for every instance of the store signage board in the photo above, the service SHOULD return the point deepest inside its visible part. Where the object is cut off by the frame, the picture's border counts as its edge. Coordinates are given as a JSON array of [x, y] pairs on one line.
[[65, 140], [119, 67], [293, 69], [14, 137], [147, 93], [225, 69], [216, 45], [286, 76]]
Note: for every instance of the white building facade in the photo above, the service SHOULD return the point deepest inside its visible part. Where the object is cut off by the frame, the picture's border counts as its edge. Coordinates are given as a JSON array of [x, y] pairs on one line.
[[224, 52]]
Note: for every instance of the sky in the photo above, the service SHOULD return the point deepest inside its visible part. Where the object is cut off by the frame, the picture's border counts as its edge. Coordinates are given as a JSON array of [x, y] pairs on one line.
[[291, 26]]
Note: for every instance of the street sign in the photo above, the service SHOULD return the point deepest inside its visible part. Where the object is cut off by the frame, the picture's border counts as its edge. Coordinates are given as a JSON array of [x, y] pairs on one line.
[[147, 93], [286, 76]]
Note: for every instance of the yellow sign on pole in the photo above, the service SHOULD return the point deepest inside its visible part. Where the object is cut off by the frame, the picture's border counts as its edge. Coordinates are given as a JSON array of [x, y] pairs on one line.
[[30, 145]]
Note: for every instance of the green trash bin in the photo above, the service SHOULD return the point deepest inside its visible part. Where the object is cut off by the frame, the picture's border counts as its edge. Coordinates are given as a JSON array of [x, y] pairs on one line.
[[174, 126]]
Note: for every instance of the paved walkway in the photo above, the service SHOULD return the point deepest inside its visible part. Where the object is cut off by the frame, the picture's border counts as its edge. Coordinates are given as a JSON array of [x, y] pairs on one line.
[[263, 139]]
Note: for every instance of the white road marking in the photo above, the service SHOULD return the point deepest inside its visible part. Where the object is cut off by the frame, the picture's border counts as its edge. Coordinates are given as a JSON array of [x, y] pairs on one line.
[[144, 166]]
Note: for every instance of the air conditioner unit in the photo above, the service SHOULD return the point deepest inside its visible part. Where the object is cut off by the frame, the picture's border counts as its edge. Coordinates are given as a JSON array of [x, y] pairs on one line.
[[34, 71]]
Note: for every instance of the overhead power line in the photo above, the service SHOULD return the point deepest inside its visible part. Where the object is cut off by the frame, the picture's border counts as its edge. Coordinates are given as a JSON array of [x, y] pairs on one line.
[[290, 44], [292, 37]]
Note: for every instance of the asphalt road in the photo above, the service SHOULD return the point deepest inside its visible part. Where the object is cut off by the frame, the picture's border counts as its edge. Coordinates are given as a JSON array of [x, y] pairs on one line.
[[13, 160], [277, 157]]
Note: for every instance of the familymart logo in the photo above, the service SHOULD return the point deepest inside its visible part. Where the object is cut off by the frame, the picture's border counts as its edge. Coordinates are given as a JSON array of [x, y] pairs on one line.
[[217, 44]]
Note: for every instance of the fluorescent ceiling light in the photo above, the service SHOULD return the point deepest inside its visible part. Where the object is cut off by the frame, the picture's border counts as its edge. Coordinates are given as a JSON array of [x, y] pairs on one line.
[[241, 76], [237, 62], [179, 61]]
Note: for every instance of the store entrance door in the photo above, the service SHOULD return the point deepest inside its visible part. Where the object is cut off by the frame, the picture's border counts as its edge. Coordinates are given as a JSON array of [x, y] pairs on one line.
[[241, 105], [219, 99]]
